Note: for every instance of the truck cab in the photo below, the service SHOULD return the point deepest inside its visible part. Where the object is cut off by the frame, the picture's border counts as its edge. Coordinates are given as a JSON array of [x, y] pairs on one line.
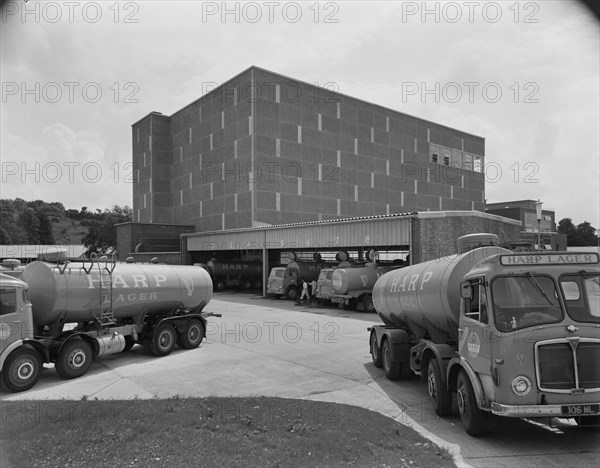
[[275, 282], [324, 284], [529, 337], [18, 350]]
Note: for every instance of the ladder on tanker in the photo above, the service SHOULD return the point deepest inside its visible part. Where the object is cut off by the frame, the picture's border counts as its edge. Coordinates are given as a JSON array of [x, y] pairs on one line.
[[105, 269]]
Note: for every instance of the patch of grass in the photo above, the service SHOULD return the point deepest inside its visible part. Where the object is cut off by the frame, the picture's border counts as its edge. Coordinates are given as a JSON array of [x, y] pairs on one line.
[[233, 432]]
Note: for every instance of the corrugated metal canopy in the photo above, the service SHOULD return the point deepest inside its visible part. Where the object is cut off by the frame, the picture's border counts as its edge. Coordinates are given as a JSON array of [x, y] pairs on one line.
[[364, 232]]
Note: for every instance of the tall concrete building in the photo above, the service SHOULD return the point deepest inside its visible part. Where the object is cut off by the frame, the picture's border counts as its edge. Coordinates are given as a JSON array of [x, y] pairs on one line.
[[265, 149]]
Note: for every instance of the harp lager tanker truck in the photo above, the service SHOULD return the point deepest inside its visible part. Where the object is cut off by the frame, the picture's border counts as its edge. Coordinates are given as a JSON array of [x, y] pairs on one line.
[[109, 307], [515, 335]]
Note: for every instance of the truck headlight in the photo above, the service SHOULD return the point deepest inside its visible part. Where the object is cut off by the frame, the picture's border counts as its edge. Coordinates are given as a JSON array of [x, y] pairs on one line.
[[521, 385]]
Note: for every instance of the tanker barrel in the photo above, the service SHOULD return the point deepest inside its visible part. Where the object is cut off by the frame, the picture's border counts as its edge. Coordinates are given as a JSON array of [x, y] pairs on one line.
[[426, 296], [137, 290], [352, 279]]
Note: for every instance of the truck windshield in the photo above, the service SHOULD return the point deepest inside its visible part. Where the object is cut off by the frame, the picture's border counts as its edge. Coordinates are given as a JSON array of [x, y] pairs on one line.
[[325, 274], [524, 301], [582, 297], [277, 272]]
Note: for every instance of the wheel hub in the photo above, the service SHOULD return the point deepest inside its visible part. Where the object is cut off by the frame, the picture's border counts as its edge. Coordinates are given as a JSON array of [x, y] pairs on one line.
[[25, 370], [77, 358], [431, 386], [460, 400]]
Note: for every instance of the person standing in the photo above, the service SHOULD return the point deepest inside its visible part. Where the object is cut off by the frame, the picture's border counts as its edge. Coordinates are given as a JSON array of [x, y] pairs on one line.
[[313, 290], [304, 290]]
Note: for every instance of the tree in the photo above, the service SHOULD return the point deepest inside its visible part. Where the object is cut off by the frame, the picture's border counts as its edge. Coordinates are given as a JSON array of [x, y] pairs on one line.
[[582, 235], [102, 233], [586, 234], [566, 226], [28, 220]]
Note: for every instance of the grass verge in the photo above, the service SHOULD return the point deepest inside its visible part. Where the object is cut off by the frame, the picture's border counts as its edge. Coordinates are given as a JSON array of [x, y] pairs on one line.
[[230, 432]]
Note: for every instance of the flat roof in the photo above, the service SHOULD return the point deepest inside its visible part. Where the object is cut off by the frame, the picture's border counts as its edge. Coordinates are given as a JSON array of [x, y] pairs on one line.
[[254, 67]]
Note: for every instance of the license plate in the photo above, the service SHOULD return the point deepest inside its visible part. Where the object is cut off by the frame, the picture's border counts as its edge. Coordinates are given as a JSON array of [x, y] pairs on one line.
[[579, 410]]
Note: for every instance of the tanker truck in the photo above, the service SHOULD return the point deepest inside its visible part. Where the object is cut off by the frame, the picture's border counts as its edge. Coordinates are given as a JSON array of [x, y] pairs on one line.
[[352, 286], [69, 315], [287, 280], [510, 334], [237, 273]]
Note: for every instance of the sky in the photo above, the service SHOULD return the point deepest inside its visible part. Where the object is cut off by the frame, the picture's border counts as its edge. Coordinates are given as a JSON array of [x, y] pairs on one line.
[[524, 75]]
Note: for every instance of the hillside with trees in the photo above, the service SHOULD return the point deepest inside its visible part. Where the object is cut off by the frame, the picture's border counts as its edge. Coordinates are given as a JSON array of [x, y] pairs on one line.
[[38, 222]]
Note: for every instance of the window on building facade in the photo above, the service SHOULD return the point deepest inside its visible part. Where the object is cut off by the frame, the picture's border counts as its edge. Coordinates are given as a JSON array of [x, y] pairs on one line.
[[467, 162], [434, 153], [456, 160]]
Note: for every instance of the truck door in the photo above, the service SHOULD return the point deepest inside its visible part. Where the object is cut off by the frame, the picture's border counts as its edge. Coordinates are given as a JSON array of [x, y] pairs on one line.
[[11, 325], [474, 338]]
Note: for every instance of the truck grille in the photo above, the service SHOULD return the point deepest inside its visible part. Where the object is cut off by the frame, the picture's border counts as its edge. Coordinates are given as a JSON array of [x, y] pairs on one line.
[[562, 368]]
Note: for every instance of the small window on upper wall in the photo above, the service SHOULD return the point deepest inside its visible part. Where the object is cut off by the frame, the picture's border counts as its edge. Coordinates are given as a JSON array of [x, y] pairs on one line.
[[434, 153], [477, 164], [446, 153], [467, 162]]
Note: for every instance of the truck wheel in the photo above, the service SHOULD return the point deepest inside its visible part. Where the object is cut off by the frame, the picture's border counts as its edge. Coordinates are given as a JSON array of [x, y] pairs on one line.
[[473, 418], [391, 369], [163, 340], [129, 342], [192, 336], [368, 305], [220, 285], [292, 294], [74, 359], [21, 370], [375, 351], [246, 284], [442, 398]]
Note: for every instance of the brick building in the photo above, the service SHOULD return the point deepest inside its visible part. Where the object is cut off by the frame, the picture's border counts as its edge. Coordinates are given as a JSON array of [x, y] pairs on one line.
[[264, 149]]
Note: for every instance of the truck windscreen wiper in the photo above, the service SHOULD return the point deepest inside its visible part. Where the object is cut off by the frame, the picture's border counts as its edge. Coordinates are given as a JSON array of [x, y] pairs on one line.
[[538, 287]]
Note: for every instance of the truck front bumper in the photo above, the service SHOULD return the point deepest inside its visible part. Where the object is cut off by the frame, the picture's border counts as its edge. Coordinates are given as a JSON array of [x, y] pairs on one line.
[[340, 299], [546, 411]]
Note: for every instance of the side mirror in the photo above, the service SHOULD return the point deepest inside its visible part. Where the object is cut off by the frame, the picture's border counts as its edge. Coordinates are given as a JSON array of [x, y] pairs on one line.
[[466, 290]]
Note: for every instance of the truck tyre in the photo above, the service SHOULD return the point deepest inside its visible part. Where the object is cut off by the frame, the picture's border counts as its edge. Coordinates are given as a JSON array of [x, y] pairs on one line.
[[163, 340], [292, 293], [21, 370], [375, 351], [442, 398], [74, 359], [473, 418], [391, 369], [246, 284], [192, 336], [368, 305], [129, 342], [220, 285]]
